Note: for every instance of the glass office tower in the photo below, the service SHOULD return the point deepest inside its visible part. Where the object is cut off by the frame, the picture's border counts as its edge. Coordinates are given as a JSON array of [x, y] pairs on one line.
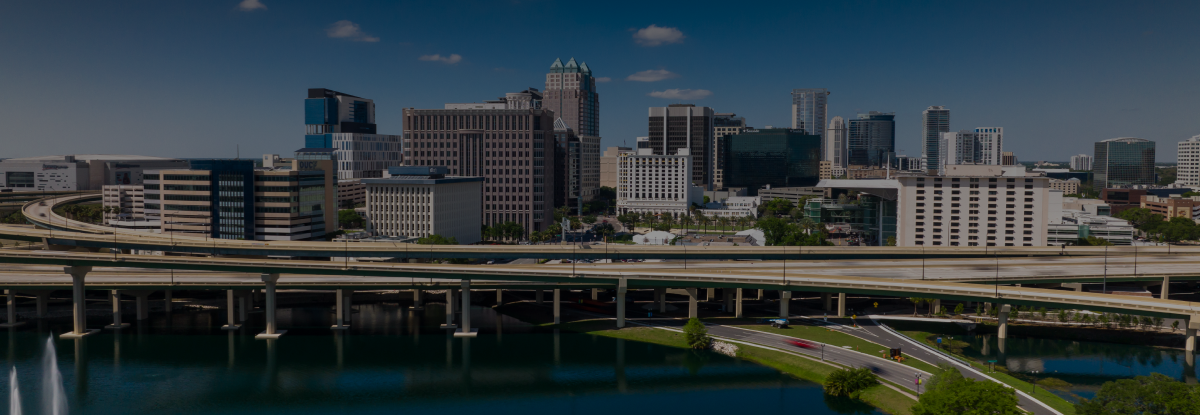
[[872, 138], [779, 157], [1123, 162]]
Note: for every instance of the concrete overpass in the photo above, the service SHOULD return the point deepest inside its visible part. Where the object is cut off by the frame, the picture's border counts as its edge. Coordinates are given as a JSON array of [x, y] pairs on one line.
[[78, 265], [62, 233]]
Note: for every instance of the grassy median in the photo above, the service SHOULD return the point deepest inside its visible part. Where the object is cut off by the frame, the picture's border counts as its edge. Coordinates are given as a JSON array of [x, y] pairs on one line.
[[881, 397]]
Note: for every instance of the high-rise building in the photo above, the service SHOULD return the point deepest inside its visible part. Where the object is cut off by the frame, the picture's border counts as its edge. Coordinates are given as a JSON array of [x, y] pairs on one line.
[[835, 147], [1007, 158], [871, 139], [347, 123], [935, 121], [778, 157], [684, 126], [1018, 219], [810, 109], [724, 124], [657, 184], [608, 165], [980, 146], [1188, 162], [1123, 162], [571, 94], [1083, 162], [514, 150], [78, 171], [577, 167]]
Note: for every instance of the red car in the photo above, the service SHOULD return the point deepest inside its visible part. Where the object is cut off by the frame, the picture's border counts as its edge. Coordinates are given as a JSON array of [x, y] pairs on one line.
[[801, 344]]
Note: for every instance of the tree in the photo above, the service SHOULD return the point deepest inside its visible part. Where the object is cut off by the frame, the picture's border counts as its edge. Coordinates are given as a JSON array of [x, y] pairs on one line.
[[348, 218], [916, 302], [1094, 241], [628, 220], [891, 241], [707, 200], [951, 393], [696, 334], [1154, 394], [776, 207], [958, 309], [849, 382], [605, 230], [1139, 217], [686, 222]]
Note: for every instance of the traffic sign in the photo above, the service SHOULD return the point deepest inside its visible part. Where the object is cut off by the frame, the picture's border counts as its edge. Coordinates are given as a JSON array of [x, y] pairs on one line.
[[876, 304]]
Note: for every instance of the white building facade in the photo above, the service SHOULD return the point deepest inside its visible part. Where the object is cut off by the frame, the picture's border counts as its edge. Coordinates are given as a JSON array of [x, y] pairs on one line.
[[1084, 161], [655, 184], [419, 205], [835, 147], [1188, 173], [984, 145], [973, 206]]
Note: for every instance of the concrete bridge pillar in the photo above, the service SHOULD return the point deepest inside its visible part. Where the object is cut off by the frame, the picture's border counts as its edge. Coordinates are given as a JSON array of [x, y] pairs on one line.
[[537, 296], [785, 297], [114, 297], [841, 305], [987, 308], [272, 332], [231, 311], [339, 305], [1002, 333], [1166, 288], [622, 287], [449, 309], [499, 296], [693, 308], [466, 330], [827, 302], [557, 305], [1193, 323], [660, 298], [737, 299], [595, 294], [937, 306], [142, 300], [710, 294], [727, 297], [12, 309], [243, 307], [80, 306], [760, 294], [168, 298], [43, 302]]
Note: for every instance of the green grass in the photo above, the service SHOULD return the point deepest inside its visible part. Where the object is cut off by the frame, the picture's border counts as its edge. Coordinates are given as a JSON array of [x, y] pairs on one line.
[[1054, 401], [881, 397], [838, 339]]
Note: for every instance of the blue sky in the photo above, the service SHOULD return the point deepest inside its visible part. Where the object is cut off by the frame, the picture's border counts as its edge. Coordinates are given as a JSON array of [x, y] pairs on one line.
[[199, 78]]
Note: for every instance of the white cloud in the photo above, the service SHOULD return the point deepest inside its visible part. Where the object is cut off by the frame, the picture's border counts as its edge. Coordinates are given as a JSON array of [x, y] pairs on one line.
[[251, 5], [453, 58], [684, 94], [654, 35], [345, 29], [603, 79], [652, 75]]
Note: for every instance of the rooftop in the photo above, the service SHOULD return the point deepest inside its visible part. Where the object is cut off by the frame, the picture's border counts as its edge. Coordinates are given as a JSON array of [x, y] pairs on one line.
[[91, 157]]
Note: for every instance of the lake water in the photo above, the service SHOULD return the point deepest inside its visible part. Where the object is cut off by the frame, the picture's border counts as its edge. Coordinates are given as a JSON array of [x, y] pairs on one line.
[[1085, 365], [390, 361]]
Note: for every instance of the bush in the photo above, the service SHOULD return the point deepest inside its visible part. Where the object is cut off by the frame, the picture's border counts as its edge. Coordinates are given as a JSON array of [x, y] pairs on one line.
[[849, 382], [696, 334], [1154, 394]]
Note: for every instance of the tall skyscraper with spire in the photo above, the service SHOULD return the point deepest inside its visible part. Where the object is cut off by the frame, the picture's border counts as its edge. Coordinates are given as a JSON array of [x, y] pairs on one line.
[[571, 94], [935, 120]]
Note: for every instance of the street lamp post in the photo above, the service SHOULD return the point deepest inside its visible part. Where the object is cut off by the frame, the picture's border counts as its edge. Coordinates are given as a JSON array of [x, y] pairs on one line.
[[918, 383]]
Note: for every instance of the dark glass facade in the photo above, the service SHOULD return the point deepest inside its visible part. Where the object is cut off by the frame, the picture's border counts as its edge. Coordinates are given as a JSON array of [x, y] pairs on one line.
[[1123, 162], [778, 157], [871, 138], [231, 187]]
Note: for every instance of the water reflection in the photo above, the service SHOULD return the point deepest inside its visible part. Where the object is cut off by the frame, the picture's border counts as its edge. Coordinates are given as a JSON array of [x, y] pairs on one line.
[[1085, 365], [392, 359]]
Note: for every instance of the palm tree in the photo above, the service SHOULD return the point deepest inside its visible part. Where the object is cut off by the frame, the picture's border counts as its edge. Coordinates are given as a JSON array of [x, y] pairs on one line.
[[849, 382], [916, 302], [686, 222], [723, 222]]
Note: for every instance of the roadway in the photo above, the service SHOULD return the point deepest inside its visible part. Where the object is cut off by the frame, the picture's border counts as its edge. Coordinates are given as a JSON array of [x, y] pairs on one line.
[[96, 237], [634, 276]]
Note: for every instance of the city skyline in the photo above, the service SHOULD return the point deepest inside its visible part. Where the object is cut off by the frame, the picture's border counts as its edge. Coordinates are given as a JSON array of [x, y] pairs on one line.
[[179, 65]]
